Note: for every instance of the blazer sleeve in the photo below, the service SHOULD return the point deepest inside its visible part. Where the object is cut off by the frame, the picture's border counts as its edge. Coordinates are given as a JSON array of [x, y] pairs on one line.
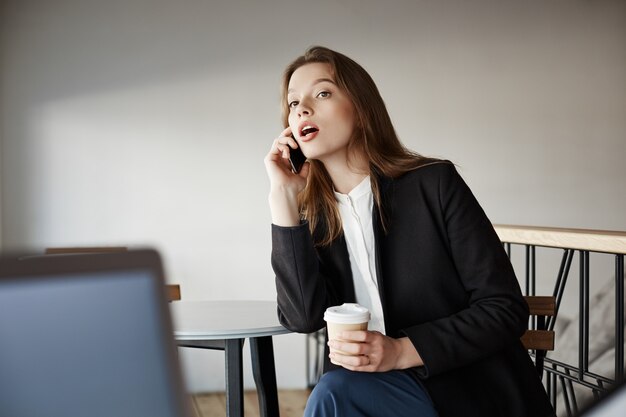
[[302, 293], [496, 314]]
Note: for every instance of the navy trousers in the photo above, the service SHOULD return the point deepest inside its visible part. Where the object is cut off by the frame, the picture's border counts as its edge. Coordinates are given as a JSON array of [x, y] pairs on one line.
[[344, 393]]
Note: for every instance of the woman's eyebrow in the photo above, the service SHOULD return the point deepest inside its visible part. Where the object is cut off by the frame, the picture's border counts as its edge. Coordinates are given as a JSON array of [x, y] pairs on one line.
[[319, 80]]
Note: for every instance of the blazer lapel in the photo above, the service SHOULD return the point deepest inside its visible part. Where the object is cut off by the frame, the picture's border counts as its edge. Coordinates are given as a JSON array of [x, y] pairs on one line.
[[386, 195], [338, 269], [337, 252]]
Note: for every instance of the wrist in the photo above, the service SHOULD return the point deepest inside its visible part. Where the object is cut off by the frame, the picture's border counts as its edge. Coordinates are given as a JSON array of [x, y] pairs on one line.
[[283, 204], [282, 192], [408, 357]]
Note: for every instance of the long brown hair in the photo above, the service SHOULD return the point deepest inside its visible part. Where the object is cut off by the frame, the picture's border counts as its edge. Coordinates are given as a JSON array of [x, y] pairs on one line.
[[374, 136]]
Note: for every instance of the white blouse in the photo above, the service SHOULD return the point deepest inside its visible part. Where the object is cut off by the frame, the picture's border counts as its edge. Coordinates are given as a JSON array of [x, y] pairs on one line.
[[356, 209]]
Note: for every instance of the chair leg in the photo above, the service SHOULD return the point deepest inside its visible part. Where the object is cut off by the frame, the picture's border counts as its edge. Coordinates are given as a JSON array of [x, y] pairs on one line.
[[539, 355]]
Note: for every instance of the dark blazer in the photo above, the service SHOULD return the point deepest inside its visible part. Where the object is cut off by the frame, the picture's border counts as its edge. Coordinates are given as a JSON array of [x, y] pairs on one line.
[[444, 281]]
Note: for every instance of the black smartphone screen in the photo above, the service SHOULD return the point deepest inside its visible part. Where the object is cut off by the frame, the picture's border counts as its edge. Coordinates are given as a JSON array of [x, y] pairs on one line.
[[297, 158]]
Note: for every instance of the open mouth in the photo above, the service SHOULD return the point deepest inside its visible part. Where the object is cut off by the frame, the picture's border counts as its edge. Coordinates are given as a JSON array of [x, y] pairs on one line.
[[308, 130]]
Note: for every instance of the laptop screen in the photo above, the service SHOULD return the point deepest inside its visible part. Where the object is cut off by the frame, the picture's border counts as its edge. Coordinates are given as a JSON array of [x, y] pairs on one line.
[[86, 341], [612, 405]]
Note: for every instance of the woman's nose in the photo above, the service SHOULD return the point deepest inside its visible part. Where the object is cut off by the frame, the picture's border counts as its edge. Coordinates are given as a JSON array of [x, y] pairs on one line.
[[304, 109]]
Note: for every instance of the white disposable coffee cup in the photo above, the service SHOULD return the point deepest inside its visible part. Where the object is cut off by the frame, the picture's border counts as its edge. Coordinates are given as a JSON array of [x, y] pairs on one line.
[[348, 316]]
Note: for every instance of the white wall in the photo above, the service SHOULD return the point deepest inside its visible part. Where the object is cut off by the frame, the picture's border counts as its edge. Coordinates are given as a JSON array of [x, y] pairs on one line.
[[146, 122]]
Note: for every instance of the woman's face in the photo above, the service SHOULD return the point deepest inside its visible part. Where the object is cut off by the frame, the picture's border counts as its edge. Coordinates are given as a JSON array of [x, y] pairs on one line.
[[321, 116]]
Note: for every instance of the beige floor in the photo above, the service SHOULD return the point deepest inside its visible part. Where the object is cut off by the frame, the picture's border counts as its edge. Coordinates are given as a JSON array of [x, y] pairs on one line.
[[291, 403]]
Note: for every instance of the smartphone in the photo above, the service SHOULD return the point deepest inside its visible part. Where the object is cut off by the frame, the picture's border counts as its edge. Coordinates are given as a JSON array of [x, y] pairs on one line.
[[296, 157]]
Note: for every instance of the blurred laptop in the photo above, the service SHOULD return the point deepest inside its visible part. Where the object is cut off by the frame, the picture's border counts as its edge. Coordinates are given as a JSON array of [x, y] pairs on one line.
[[612, 404], [87, 335]]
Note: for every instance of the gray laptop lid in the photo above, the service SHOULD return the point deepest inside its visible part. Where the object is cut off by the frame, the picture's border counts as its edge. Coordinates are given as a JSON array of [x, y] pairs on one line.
[[612, 405], [87, 335]]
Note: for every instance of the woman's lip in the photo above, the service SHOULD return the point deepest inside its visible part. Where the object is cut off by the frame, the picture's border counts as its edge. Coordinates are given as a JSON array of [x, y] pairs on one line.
[[309, 137], [307, 123]]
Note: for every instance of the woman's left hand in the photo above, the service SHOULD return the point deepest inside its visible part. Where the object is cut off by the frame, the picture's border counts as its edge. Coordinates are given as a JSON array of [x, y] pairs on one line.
[[371, 351]]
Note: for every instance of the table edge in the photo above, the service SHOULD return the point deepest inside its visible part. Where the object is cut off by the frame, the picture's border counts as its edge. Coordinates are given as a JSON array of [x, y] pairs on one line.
[[230, 334]]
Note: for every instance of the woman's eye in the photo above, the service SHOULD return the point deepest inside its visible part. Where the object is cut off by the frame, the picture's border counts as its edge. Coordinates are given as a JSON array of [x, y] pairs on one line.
[[324, 94], [292, 104]]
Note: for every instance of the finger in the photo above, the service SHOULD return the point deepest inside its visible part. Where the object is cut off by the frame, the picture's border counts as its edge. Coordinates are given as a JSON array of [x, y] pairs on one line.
[[356, 335], [288, 135], [285, 142], [287, 132], [366, 368], [277, 146], [350, 361], [278, 154], [293, 143], [281, 148], [349, 348]]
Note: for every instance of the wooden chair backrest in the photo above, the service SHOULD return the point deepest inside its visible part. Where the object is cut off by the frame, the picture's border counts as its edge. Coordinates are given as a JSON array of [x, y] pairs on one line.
[[173, 290], [540, 339]]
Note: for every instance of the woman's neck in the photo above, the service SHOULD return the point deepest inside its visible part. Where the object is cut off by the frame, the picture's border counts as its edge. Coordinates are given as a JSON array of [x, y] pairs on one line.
[[346, 175]]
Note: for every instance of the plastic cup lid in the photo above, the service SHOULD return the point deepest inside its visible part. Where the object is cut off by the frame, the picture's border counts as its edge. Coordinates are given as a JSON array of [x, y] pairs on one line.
[[347, 313]]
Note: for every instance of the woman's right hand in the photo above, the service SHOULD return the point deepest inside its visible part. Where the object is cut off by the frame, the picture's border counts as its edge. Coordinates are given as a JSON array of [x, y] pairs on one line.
[[278, 166], [284, 184]]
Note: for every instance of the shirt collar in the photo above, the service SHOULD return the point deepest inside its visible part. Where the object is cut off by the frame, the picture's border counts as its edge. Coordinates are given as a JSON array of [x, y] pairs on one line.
[[364, 188]]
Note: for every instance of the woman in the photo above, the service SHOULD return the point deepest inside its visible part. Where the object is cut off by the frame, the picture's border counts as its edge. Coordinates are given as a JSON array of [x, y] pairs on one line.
[[368, 221]]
